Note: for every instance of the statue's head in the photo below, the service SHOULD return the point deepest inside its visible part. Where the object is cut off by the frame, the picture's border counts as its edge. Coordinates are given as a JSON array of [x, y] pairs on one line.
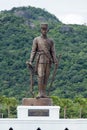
[[44, 28]]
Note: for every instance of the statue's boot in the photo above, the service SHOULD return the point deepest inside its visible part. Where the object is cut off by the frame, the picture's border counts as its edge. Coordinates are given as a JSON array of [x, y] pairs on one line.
[[42, 92]]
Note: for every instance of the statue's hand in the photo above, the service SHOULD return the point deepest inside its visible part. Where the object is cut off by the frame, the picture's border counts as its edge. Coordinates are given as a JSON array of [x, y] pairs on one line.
[[56, 63], [27, 62]]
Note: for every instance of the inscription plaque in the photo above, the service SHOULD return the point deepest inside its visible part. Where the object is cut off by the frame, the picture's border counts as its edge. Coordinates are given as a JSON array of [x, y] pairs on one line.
[[38, 112]]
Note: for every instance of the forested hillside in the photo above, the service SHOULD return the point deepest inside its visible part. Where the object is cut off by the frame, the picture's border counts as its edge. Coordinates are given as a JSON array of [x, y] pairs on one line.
[[18, 27]]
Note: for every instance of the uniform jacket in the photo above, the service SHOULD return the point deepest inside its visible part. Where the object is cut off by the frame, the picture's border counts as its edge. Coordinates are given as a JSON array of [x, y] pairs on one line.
[[44, 50]]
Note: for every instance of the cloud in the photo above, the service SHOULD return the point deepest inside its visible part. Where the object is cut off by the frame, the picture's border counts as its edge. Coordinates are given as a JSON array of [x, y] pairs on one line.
[[72, 19]]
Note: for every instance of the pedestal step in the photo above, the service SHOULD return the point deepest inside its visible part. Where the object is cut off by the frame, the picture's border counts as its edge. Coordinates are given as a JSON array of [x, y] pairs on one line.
[[37, 102]]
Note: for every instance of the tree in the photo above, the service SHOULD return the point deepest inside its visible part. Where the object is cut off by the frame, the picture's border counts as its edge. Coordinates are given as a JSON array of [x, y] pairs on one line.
[[65, 104], [9, 102], [82, 103]]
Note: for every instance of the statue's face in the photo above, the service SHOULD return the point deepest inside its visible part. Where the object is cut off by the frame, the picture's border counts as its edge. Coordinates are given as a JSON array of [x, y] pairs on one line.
[[44, 31]]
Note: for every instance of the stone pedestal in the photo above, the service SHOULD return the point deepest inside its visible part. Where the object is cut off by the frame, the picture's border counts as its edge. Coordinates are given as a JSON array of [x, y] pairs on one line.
[[37, 102], [41, 108]]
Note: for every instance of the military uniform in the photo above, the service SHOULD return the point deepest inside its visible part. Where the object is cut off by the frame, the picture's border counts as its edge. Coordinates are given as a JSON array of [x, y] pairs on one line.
[[44, 50]]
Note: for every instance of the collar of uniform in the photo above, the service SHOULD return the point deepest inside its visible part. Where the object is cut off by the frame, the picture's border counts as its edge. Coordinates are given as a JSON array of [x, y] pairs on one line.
[[44, 37]]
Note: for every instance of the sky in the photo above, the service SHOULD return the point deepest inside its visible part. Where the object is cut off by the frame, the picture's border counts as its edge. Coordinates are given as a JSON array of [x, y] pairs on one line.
[[67, 11]]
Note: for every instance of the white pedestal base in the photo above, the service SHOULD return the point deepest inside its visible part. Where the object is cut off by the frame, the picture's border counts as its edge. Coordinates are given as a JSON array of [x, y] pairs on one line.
[[29, 112]]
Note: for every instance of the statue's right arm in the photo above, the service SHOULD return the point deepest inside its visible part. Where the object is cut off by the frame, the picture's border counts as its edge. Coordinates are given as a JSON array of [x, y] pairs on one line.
[[33, 51]]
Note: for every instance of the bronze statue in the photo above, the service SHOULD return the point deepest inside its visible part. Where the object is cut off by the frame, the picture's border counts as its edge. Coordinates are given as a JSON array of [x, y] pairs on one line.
[[43, 49]]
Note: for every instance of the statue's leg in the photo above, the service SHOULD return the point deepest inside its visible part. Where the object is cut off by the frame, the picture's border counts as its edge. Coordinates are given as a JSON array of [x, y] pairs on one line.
[[47, 73], [41, 87], [41, 81]]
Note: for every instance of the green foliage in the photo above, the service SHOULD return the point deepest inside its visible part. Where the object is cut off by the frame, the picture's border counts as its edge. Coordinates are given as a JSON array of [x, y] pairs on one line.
[[71, 108], [8, 106]]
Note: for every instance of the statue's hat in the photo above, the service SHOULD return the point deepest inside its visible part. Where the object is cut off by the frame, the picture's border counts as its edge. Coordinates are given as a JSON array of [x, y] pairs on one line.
[[44, 25]]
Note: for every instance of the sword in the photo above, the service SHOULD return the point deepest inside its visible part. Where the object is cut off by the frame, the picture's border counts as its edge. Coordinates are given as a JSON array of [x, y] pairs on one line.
[[54, 74], [31, 69]]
